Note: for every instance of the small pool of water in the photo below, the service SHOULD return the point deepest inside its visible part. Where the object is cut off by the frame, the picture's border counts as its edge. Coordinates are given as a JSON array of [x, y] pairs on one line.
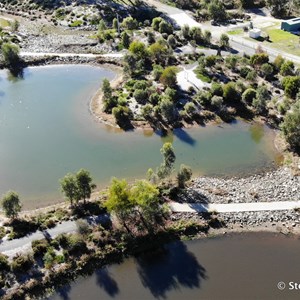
[[46, 131], [236, 266]]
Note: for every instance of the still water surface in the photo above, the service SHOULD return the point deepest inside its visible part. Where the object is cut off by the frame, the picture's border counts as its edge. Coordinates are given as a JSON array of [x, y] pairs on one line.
[[238, 266], [46, 131]]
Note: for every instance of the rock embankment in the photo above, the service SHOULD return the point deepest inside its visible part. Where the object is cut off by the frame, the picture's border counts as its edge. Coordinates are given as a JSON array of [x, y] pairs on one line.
[[278, 185]]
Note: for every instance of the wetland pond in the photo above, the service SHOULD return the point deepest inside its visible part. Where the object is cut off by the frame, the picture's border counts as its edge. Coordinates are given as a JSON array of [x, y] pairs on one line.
[[47, 130]]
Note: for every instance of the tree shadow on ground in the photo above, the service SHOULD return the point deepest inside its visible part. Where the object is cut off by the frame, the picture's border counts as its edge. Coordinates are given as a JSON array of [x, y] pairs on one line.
[[106, 282], [172, 268], [191, 196]]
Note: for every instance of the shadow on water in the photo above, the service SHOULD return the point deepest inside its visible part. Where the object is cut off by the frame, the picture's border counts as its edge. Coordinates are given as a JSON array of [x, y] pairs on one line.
[[106, 282], [183, 136], [64, 292], [171, 269]]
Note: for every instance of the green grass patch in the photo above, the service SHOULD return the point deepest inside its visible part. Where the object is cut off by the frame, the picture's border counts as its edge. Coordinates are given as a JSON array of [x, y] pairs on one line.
[[235, 32], [76, 23], [202, 77], [4, 23]]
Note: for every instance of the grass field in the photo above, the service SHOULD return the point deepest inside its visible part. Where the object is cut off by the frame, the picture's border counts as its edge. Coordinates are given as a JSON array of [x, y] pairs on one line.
[[236, 31], [283, 40]]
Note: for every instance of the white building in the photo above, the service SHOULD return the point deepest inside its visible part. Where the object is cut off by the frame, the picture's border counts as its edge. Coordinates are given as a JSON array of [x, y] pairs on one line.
[[254, 33]]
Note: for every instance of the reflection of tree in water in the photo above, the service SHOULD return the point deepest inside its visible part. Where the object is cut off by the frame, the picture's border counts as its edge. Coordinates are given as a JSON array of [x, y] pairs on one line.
[[257, 132], [175, 268], [64, 292], [105, 281]]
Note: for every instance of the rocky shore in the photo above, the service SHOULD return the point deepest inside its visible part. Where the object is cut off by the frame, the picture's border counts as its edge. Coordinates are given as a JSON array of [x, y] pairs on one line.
[[277, 185]]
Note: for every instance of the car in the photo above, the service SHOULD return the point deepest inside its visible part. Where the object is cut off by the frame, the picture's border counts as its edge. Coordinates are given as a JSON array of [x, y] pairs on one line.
[[214, 23], [232, 21]]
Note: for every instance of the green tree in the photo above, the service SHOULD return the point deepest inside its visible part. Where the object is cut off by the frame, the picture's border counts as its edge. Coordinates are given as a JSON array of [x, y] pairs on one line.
[[167, 109], [230, 93], [196, 35], [184, 175], [185, 31], [249, 95], [11, 55], [69, 188], [287, 68], [144, 197], [169, 158], [115, 24], [118, 201], [259, 59], [291, 86], [165, 27], [102, 26], [130, 23], [277, 7], [224, 40], [267, 70], [207, 37], [138, 49], [278, 62], [85, 184], [260, 102], [171, 41], [168, 77], [156, 22], [217, 10], [108, 99], [159, 53], [291, 127], [125, 38], [11, 204]]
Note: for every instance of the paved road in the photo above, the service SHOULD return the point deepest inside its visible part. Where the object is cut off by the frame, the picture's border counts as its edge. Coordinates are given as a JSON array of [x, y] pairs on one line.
[[12, 247], [239, 43], [234, 207]]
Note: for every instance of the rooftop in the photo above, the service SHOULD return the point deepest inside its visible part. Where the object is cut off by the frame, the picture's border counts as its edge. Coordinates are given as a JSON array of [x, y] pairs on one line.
[[293, 21]]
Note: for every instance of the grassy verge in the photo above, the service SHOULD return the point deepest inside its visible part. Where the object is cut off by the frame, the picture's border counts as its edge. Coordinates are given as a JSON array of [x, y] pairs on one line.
[[4, 23], [235, 32]]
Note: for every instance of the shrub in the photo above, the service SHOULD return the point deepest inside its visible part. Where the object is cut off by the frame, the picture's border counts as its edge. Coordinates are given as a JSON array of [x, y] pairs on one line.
[[190, 108], [83, 228], [21, 263], [230, 92], [156, 22], [184, 175], [248, 95], [4, 264], [130, 23], [168, 77], [291, 86], [287, 68], [216, 89], [217, 101], [291, 127], [140, 96], [39, 247], [165, 27]]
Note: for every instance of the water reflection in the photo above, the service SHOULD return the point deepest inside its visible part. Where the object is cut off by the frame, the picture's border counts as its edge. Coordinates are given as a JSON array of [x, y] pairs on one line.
[[257, 132], [106, 282], [173, 268]]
